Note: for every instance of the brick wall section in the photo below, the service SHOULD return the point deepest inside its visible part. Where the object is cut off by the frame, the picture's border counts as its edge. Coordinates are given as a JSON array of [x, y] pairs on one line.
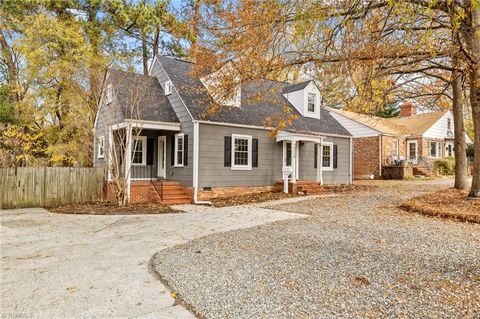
[[365, 157], [216, 192], [387, 148], [140, 192]]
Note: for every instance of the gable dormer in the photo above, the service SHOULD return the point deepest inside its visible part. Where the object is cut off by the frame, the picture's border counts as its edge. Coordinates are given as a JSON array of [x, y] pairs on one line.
[[305, 97], [224, 86]]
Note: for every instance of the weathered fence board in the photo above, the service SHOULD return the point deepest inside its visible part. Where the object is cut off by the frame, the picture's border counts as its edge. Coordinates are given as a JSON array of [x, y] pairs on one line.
[[50, 186]]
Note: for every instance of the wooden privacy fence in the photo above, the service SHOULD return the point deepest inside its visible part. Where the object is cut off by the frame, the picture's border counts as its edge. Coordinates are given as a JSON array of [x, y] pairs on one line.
[[50, 186]]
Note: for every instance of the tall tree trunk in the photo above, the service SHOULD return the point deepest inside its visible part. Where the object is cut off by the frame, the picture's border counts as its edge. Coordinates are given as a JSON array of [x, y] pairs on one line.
[[144, 53], [475, 102], [475, 98], [156, 42], [461, 179], [11, 69], [94, 37]]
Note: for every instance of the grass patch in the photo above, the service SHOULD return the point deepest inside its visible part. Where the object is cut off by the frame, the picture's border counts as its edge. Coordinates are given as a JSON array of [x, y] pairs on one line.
[[447, 203], [109, 208]]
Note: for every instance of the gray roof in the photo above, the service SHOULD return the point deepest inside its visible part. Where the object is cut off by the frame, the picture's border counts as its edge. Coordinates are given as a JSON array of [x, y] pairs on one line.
[[141, 94], [296, 87], [261, 100]]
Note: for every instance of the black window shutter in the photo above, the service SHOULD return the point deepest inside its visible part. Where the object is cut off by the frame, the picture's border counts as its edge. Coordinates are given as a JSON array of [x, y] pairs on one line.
[[255, 152], [149, 151], [227, 152], [185, 150], [315, 155], [172, 151], [335, 152]]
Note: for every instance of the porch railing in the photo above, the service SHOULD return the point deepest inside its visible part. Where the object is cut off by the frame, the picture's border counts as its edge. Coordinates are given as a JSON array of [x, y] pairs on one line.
[[148, 173]]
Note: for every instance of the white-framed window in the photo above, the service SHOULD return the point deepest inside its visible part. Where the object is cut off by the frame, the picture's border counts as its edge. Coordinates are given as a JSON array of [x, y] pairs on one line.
[[311, 102], [395, 149], [109, 93], [139, 150], [241, 152], [449, 124], [101, 146], [168, 87], [178, 162], [434, 149], [327, 156]]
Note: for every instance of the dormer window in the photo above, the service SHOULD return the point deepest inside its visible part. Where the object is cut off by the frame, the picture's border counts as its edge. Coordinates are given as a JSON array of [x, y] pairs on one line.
[[109, 94], [168, 88], [311, 102]]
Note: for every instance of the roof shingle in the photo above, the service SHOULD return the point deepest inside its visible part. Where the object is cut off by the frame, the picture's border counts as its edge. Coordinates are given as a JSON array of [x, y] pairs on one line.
[[261, 100]]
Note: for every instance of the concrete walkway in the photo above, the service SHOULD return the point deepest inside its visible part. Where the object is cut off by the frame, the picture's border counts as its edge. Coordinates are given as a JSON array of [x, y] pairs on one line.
[[64, 266]]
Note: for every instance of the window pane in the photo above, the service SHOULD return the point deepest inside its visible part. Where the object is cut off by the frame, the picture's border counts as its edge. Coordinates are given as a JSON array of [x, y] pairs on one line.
[[240, 156], [326, 156], [137, 150], [311, 102], [179, 150]]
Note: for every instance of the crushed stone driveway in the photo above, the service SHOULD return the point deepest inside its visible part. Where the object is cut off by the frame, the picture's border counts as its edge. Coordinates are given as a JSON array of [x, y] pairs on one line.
[[79, 266], [357, 256]]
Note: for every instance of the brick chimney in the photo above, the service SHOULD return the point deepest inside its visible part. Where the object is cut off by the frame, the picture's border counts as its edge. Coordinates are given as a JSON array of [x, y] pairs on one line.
[[408, 109]]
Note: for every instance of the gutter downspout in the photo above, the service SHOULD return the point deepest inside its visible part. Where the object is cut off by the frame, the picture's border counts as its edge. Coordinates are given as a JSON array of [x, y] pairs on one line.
[[380, 155], [351, 162], [196, 138]]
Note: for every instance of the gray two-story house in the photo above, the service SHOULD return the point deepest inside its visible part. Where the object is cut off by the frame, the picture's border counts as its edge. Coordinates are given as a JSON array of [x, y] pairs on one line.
[[173, 140]]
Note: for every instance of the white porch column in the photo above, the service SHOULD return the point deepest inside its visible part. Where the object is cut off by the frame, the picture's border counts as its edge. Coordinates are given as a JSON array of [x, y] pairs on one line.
[[320, 162], [110, 154], [128, 158], [294, 161]]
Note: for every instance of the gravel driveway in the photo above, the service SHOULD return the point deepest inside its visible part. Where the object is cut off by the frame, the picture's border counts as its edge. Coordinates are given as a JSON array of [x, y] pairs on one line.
[[79, 266], [357, 256]]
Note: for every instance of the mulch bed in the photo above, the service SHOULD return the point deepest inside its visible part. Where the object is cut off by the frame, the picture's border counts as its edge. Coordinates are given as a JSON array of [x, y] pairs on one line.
[[108, 208], [250, 198], [269, 196], [447, 203]]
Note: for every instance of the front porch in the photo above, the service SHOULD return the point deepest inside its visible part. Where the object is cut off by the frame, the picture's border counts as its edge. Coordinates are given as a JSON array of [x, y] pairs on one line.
[[145, 155], [323, 160]]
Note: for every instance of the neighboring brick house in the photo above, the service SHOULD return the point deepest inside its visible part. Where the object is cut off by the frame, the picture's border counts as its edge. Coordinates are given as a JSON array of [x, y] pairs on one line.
[[184, 151], [417, 138]]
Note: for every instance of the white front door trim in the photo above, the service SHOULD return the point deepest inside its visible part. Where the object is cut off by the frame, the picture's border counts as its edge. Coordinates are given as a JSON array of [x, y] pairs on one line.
[[161, 157], [412, 160]]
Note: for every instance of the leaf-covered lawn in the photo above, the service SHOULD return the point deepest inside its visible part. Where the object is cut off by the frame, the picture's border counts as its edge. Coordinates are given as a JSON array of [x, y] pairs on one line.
[[447, 203]]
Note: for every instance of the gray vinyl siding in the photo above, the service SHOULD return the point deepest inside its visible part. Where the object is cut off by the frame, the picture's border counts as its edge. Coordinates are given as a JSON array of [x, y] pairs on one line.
[[339, 175], [183, 175], [212, 172], [108, 114], [173, 98]]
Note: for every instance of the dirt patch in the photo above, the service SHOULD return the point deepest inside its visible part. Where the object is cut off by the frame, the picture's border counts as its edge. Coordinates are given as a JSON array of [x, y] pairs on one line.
[[108, 208], [447, 203]]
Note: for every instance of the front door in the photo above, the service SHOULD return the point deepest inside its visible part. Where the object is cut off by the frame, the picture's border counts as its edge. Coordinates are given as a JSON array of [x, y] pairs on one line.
[[412, 151], [162, 153], [449, 150]]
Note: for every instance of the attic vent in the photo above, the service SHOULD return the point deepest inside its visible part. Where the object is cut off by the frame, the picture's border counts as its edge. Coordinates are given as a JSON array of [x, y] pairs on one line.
[[168, 88]]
